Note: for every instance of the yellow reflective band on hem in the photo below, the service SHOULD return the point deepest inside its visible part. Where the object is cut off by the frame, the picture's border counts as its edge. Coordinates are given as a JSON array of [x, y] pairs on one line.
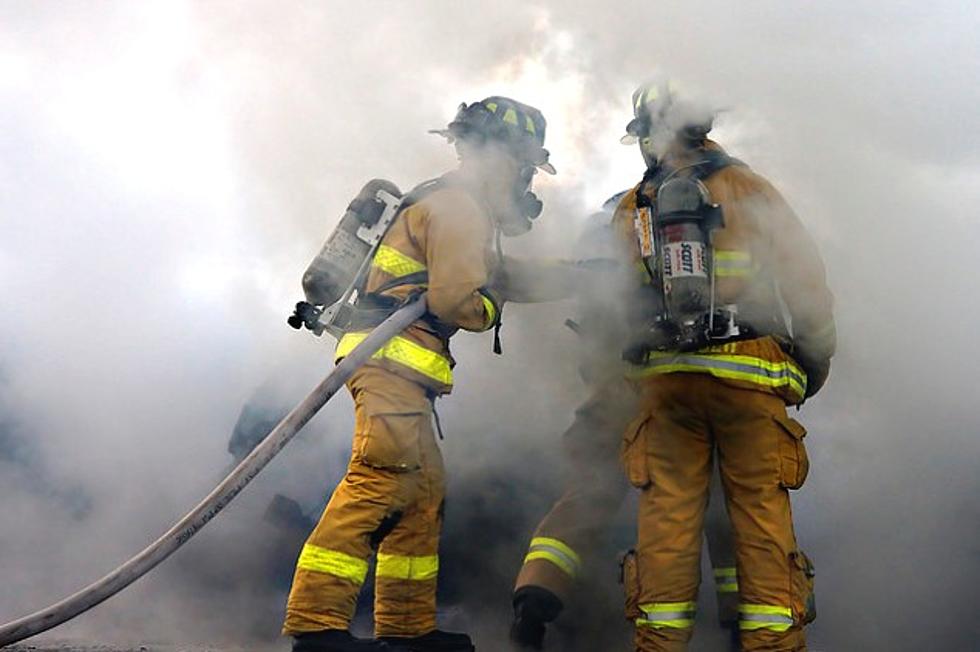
[[491, 311], [762, 616], [391, 261], [405, 352], [675, 615], [736, 367], [556, 552], [401, 567], [733, 263], [726, 579], [321, 560]]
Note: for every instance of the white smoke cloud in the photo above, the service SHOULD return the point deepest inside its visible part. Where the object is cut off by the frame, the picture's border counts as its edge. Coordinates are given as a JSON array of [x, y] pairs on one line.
[[167, 169]]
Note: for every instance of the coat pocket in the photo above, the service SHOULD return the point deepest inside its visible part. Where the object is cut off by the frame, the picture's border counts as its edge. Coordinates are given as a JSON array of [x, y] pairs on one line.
[[389, 440], [633, 453], [794, 465]]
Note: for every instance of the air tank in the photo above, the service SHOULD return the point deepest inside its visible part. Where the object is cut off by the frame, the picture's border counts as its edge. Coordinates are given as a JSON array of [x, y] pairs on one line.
[[335, 268]]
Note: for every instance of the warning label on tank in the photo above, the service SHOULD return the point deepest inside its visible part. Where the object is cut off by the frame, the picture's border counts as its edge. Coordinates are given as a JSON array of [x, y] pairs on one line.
[[685, 258], [643, 225]]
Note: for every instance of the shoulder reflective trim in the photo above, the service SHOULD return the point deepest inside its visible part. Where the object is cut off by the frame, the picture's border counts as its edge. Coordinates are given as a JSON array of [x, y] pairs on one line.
[[675, 615], [763, 616], [391, 261], [726, 579], [732, 262], [405, 352], [321, 560], [556, 552], [402, 567], [736, 367]]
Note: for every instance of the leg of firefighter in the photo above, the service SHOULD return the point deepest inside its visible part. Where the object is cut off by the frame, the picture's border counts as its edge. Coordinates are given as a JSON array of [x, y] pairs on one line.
[[677, 447], [595, 488], [387, 477], [721, 550], [408, 558], [760, 455]]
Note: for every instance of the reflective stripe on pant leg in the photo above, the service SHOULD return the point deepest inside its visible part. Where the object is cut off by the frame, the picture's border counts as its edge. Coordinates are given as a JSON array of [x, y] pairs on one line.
[[726, 579], [676, 615], [321, 560], [763, 616], [556, 552], [404, 567]]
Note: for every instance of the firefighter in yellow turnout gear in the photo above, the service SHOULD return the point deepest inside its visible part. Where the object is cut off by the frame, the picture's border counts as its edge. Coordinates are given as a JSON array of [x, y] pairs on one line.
[[390, 500], [595, 488], [717, 250]]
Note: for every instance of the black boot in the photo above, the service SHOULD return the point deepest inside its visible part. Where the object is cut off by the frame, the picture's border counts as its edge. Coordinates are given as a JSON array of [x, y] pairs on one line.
[[436, 641], [339, 640], [534, 606]]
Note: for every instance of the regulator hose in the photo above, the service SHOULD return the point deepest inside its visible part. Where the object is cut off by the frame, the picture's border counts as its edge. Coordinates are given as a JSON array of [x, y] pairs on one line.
[[223, 494]]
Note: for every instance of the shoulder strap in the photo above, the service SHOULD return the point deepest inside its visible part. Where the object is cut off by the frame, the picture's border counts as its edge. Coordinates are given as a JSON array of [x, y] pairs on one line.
[[713, 161]]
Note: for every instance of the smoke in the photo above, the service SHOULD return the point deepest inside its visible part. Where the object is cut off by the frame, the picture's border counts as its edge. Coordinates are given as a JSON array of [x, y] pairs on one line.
[[167, 170]]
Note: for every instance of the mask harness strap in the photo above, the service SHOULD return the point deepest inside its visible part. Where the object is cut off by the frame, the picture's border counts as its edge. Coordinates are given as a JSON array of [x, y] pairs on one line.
[[497, 348]]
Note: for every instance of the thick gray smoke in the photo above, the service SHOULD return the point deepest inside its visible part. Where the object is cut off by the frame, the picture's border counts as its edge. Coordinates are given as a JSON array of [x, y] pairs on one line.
[[167, 170]]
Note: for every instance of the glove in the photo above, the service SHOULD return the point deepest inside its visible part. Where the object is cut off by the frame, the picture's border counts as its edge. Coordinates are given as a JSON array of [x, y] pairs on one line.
[[534, 606], [817, 371]]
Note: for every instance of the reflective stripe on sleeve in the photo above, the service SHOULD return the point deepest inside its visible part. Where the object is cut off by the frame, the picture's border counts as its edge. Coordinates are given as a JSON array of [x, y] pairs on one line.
[[403, 567], [391, 261], [490, 308], [556, 552], [732, 263], [763, 616], [675, 615], [726, 579], [405, 352], [736, 367], [339, 564]]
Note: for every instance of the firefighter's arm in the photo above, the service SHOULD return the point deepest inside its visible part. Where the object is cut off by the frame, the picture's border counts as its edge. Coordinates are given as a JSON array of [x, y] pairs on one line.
[[535, 281], [802, 279], [457, 244]]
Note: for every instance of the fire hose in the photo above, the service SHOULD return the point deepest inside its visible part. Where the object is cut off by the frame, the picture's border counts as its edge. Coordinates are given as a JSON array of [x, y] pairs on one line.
[[222, 495]]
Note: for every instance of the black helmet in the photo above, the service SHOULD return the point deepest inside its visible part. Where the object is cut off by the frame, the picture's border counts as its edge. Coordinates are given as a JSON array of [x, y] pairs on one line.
[[518, 126], [659, 105]]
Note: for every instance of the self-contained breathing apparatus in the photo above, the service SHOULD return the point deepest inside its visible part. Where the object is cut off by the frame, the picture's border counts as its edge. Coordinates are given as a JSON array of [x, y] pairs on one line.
[[337, 274], [674, 233]]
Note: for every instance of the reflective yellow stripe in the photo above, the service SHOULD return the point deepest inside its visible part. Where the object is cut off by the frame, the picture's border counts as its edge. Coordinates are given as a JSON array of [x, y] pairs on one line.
[[726, 579], [391, 261], [510, 116], [402, 567], [764, 616], [675, 615], [491, 311], [321, 560], [736, 367], [405, 352], [731, 262], [557, 552]]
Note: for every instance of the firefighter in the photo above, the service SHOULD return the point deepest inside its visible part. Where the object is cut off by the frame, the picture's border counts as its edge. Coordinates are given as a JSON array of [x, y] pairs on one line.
[[390, 501], [718, 251], [595, 486]]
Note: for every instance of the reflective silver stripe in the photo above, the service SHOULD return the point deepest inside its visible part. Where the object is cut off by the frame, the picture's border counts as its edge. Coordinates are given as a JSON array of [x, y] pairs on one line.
[[556, 552], [767, 618], [770, 374]]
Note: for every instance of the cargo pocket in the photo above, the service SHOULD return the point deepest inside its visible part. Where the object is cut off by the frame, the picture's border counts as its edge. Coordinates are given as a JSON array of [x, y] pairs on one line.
[[794, 465], [633, 453], [804, 601], [389, 440], [629, 577]]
